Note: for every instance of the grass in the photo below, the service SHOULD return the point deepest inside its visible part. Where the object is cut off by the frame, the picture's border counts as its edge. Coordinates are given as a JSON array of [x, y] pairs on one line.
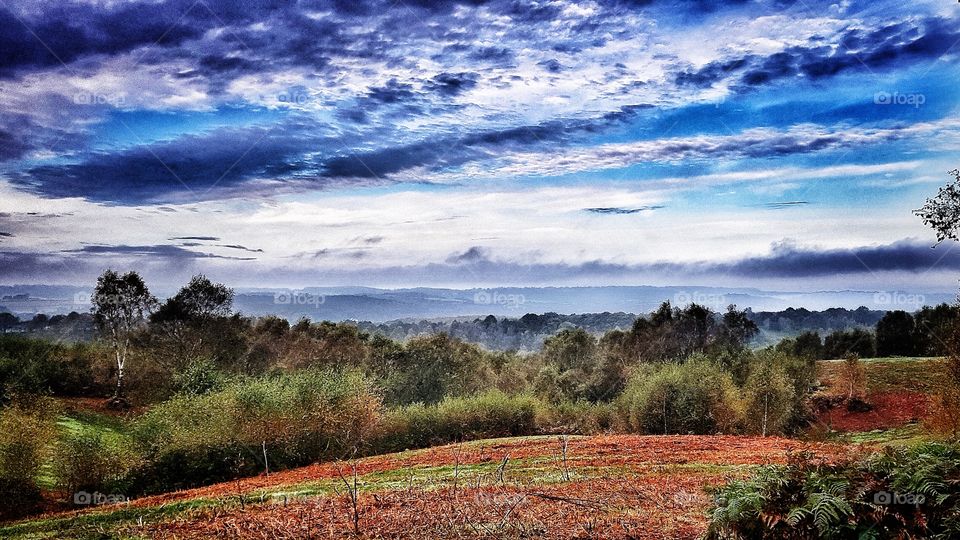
[[901, 374], [908, 435]]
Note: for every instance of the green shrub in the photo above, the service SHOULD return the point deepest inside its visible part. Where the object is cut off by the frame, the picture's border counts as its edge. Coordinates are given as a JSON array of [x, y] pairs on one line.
[[492, 414], [769, 398], [581, 417], [26, 433], [199, 377], [87, 461], [899, 493], [296, 419], [693, 397]]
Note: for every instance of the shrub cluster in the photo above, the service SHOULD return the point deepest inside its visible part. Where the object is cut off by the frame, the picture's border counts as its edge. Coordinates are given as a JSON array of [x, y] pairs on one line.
[[254, 425], [27, 432]]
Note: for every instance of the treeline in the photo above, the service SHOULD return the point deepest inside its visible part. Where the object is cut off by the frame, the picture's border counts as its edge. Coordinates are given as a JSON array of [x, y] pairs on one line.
[[927, 332], [526, 333], [70, 327], [796, 320]]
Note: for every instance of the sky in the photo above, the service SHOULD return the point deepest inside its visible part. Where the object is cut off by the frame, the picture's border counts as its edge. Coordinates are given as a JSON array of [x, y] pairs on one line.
[[404, 143]]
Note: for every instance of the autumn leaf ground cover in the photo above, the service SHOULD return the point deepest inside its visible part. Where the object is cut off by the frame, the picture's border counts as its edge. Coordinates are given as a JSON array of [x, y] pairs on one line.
[[612, 486]]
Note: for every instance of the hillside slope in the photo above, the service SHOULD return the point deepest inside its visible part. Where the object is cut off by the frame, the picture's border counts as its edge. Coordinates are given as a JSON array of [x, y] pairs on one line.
[[616, 486]]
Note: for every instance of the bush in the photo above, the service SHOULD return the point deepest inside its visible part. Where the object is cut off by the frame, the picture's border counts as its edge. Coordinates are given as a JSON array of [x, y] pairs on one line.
[[296, 419], [26, 432], [694, 397], [199, 377], [900, 493], [492, 414], [581, 418], [86, 461]]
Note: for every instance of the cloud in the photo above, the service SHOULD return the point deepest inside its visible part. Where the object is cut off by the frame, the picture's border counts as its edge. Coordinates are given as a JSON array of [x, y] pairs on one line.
[[200, 238], [788, 261], [475, 254], [859, 50], [785, 204], [621, 211], [164, 251], [242, 248]]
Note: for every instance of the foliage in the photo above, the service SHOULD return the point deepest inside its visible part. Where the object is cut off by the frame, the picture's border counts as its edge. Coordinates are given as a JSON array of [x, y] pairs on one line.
[[942, 212], [896, 333], [694, 397], [899, 493], [27, 431], [35, 366], [856, 340], [769, 397], [853, 376], [294, 419], [200, 377], [87, 461], [491, 414], [120, 304], [433, 367]]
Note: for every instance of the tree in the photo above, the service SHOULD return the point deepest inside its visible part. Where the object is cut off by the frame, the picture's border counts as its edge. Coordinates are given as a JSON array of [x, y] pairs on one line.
[[808, 345], [770, 396], [895, 334], [198, 300], [120, 304], [852, 375], [933, 329], [856, 340], [7, 321], [737, 328], [942, 212], [194, 323]]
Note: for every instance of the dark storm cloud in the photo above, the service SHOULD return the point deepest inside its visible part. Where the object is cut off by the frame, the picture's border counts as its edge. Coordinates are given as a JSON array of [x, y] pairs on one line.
[[453, 151], [789, 261], [242, 248], [189, 167], [607, 210], [859, 50], [200, 238], [785, 204], [451, 84], [164, 251], [12, 146]]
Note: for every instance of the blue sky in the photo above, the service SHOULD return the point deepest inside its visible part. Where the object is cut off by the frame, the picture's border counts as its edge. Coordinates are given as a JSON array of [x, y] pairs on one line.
[[774, 144]]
